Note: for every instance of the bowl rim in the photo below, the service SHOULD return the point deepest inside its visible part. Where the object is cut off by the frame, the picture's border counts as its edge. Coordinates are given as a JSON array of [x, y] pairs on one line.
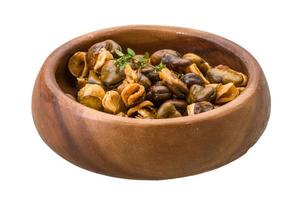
[[254, 71]]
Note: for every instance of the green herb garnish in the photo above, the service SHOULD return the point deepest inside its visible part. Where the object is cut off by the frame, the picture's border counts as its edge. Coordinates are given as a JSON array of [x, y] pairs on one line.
[[130, 52], [179, 75], [130, 57], [124, 59], [142, 61], [119, 53], [159, 67]]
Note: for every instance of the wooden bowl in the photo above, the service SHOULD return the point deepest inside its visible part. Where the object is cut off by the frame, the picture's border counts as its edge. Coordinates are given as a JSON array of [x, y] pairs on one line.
[[158, 148]]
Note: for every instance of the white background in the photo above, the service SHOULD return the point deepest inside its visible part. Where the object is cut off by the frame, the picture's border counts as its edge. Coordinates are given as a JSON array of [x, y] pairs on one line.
[[30, 30]]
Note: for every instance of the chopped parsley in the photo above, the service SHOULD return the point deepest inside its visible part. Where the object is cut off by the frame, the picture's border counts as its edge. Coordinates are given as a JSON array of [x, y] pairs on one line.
[[142, 61], [179, 75], [159, 67], [129, 57], [124, 59]]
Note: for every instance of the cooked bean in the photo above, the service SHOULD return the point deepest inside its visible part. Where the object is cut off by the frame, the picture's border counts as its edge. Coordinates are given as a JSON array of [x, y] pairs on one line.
[[164, 85], [199, 93], [199, 107], [159, 93], [190, 79]]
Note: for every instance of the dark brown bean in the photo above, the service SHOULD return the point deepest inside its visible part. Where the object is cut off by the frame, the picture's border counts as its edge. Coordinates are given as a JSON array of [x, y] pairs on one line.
[[143, 80], [157, 56], [190, 79], [158, 93], [175, 63], [150, 72]]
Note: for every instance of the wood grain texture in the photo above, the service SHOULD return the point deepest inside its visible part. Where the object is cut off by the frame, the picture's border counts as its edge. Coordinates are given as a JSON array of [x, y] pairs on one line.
[[150, 149]]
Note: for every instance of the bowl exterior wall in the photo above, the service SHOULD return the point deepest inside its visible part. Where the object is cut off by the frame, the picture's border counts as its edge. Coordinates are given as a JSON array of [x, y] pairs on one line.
[[147, 152]]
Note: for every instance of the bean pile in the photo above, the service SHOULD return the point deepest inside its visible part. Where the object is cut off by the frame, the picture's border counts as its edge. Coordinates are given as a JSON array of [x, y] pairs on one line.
[[163, 85]]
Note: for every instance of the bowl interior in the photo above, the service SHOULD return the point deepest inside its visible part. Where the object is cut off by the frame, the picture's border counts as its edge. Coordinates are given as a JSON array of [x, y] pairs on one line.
[[149, 40]]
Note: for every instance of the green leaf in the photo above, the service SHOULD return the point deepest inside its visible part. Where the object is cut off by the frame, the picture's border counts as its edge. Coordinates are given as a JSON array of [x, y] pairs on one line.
[[119, 53], [159, 67], [146, 56], [179, 75], [130, 52], [143, 60]]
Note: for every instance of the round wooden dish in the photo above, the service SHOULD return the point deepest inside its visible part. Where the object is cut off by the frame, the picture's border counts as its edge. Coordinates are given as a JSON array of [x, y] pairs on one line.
[[150, 149]]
